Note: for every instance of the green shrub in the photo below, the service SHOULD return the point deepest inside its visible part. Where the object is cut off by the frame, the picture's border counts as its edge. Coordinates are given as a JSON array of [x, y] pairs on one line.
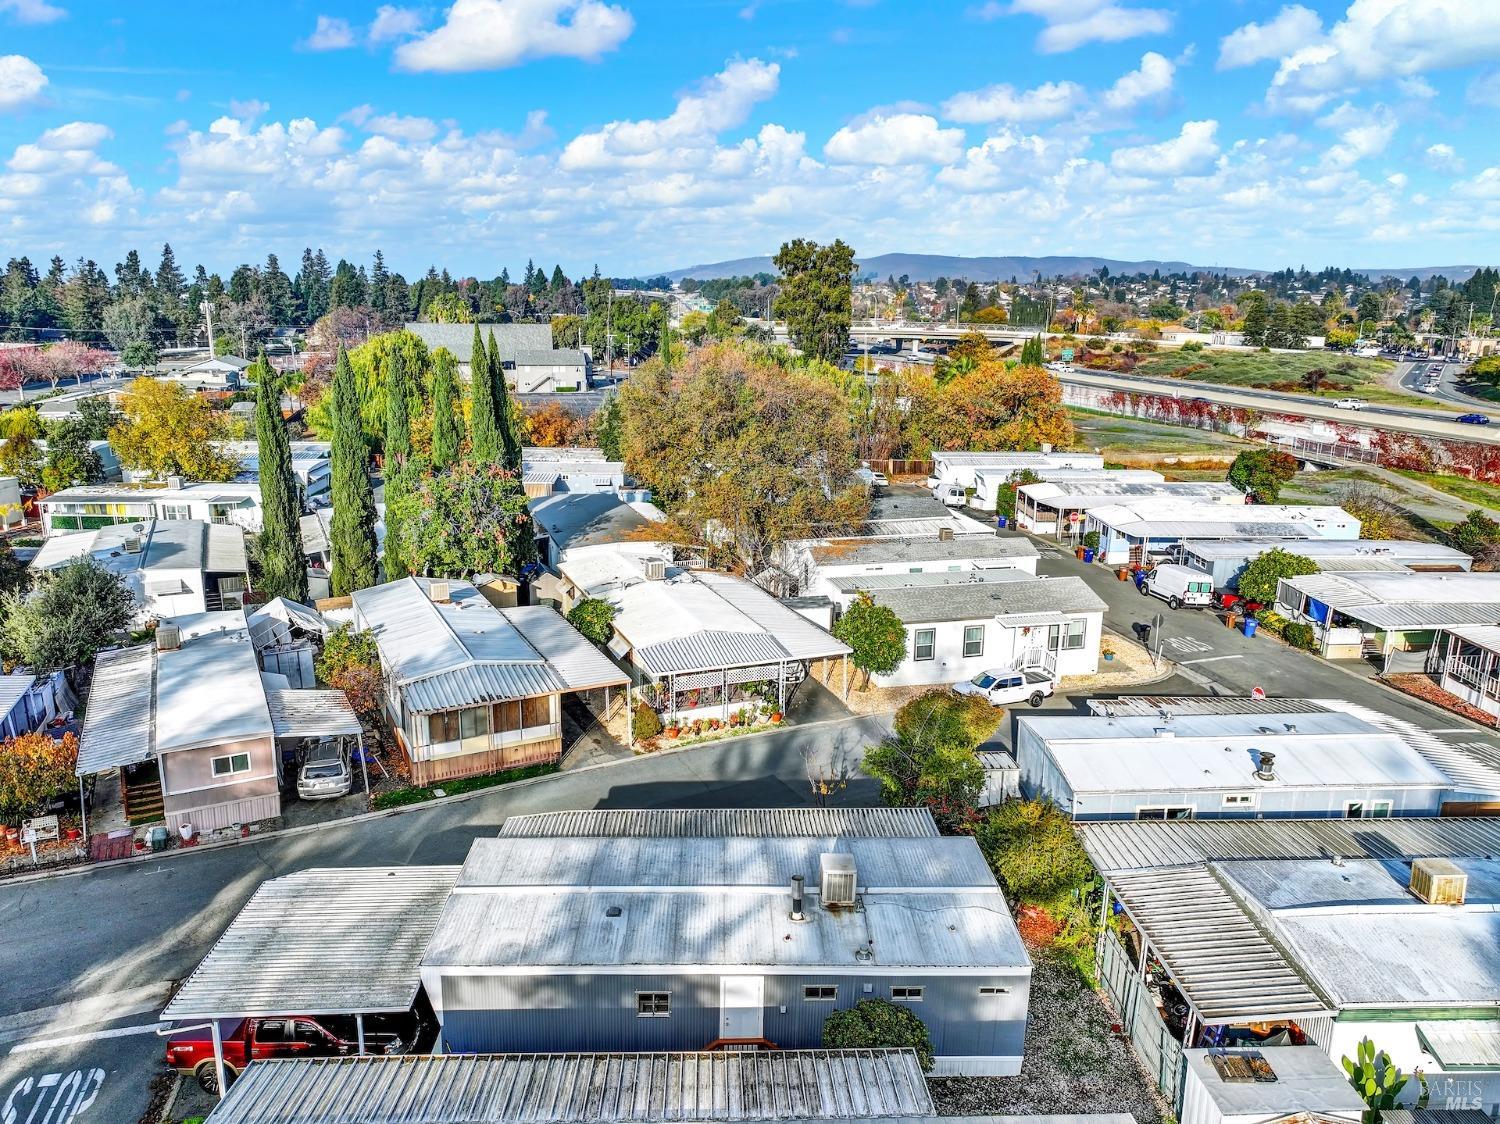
[[594, 618], [1299, 635], [1192, 345], [1091, 540], [1271, 622], [412, 794], [647, 722], [1095, 343], [1035, 853], [878, 1024]]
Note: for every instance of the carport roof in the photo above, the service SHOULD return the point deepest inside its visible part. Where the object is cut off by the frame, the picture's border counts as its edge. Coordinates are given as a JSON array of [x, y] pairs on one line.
[[311, 714], [321, 942]]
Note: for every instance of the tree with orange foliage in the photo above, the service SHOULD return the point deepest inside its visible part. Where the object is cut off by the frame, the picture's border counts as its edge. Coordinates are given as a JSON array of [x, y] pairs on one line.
[[33, 768], [1000, 407], [553, 425]]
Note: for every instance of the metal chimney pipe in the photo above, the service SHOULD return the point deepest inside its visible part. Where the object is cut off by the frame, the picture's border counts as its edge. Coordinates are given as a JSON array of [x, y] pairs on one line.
[[797, 914]]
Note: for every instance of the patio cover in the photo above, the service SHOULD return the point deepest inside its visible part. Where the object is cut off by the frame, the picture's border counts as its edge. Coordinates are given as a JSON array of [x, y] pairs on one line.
[[119, 722], [310, 714]]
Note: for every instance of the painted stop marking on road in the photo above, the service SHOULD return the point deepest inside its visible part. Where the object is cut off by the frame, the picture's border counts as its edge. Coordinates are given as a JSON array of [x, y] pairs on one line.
[[52, 1098]]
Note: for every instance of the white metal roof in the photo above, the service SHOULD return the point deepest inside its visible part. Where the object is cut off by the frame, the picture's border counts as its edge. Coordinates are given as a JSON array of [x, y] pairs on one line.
[[1161, 519], [292, 614], [1082, 494], [1407, 600], [1307, 1081], [117, 721], [760, 823], [202, 491], [13, 688], [311, 714], [1010, 597], [1462, 1043], [209, 690], [1338, 551], [165, 545], [730, 1087], [1225, 967], [320, 942], [853, 583], [309, 459], [1368, 942], [1020, 460], [920, 548], [1125, 845], [1210, 752], [574, 660]]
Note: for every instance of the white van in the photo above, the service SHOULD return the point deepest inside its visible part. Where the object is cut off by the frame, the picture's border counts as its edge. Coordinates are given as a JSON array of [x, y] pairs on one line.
[[1178, 586], [951, 495]]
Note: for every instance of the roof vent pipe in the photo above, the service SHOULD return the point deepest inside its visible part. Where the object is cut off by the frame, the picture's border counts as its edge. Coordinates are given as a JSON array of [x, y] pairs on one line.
[[797, 914], [1267, 769]]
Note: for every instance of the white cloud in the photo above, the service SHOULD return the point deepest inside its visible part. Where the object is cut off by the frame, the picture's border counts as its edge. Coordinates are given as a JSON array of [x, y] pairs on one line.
[[332, 33], [61, 177], [1152, 80], [900, 138], [1193, 150], [1486, 185], [402, 128], [1071, 25], [1005, 160], [1416, 86], [493, 34], [1485, 90], [1362, 133], [32, 11], [21, 82], [1381, 40], [1046, 102], [247, 110], [391, 22], [1443, 158], [719, 103], [1293, 27]]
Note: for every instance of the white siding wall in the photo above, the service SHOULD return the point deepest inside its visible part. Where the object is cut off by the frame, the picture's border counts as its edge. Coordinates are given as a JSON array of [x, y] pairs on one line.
[[1003, 647]]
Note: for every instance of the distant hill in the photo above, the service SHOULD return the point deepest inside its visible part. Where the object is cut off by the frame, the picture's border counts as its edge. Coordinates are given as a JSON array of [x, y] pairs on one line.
[[928, 267]]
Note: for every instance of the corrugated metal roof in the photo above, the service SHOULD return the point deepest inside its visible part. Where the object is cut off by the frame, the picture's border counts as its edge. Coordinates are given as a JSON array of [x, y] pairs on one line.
[[419, 637], [209, 690], [990, 599], [1140, 845], [1475, 768], [13, 688], [707, 651], [580, 665], [801, 639], [849, 552], [321, 942], [1156, 705], [1220, 960], [225, 549], [1407, 600], [757, 823], [853, 583], [119, 718], [808, 1085], [480, 683], [1020, 460], [311, 714], [1338, 552]]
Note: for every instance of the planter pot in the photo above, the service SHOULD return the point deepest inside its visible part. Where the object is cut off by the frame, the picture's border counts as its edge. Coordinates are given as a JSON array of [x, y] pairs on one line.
[[1109, 656], [776, 718], [671, 731], [73, 833], [1078, 553]]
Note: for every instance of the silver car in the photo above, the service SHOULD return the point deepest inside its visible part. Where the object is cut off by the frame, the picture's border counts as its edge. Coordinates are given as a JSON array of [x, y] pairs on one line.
[[325, 773]]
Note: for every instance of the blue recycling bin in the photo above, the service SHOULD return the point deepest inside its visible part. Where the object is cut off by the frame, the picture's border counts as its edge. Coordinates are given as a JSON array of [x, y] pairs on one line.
[[1088, 554], [1251, 624], [1002, 521]]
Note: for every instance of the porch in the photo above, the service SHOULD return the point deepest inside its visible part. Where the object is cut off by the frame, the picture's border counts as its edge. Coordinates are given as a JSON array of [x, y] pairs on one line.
[[721, 692], [1466, 663]]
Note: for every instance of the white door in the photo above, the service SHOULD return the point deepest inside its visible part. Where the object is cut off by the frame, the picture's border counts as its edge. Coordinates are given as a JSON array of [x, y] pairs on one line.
[[742, 1006]]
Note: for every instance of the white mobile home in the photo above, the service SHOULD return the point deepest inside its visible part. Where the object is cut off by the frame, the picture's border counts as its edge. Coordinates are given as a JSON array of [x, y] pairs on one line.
[[311, 464], [959, 467], [1134, 533], [1387, 615], [89, 506], [1225, 559], [532, 365], [989, 481], [1054, 508], [1000, 620]]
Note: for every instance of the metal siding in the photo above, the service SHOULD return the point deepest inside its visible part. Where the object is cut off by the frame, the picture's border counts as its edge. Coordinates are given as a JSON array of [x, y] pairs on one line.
[[868, 823]]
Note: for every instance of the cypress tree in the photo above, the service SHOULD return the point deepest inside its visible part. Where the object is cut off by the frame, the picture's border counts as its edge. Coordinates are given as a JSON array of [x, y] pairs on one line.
[[445, 428], [397, 463], [352, 534], [283, 567], [505, 419], [485, 438]]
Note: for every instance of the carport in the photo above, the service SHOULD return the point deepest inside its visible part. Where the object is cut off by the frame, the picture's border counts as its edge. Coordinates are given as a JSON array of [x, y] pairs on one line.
[[345, 942], [296, 715]]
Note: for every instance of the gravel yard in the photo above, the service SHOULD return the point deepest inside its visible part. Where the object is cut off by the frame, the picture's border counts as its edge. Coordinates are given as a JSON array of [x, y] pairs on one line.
[[1074, 1062]]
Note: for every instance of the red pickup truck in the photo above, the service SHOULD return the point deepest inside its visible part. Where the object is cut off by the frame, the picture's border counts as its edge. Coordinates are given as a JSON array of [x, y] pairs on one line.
[[300, 1036]]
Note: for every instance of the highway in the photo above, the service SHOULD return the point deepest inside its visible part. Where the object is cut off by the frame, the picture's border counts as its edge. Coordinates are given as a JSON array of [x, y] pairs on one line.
[[1397, 419]]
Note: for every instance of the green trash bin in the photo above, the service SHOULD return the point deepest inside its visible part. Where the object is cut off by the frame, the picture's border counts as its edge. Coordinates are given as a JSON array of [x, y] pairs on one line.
[[157, 837]]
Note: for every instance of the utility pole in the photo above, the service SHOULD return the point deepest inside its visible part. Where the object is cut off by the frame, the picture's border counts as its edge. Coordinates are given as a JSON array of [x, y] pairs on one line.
[[609, 350], [207, 308]]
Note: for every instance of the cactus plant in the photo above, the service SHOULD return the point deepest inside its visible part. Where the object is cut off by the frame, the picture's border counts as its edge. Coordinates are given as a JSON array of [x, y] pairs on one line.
[[1375, 1079]]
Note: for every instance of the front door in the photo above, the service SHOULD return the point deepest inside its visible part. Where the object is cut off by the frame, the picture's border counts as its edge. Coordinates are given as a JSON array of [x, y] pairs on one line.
[[742, 1006]]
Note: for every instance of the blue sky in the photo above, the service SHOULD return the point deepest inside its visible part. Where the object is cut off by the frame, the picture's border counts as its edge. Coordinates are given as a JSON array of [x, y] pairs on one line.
[[640, 134]]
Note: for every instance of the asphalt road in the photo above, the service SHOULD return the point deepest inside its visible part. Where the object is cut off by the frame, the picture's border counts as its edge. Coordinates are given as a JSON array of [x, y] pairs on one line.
[[1411, 377]]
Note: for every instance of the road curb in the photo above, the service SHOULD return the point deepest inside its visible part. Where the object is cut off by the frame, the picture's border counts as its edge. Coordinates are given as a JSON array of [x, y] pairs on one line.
[[365, 817]]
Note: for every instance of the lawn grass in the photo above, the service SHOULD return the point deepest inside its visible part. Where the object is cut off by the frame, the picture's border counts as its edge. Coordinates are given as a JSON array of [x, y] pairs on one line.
[[1348, 377], [1475, 492], [1115, 436], [412, 794]]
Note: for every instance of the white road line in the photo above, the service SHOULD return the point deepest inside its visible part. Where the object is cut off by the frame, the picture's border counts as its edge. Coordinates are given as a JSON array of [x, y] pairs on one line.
[[1207, 659], [96, 1036], [1461, 730], [92, 1011]]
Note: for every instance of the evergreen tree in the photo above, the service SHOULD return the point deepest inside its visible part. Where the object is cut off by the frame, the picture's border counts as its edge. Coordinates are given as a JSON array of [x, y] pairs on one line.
[[398, 453], [484, 436], [609, 428], [283, 569], [507, 426], [445, 429], [352, 534], [559, 280], [169, 279], [1032, 353]]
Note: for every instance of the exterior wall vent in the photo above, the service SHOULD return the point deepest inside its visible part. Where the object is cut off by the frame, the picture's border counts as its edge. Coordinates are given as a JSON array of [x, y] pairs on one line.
[[837, 881], [1439, 882], [168, 637]]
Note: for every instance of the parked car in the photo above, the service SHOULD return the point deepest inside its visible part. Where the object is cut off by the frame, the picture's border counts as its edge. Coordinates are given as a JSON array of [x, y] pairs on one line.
[[1177, 586], [191, 1052], [1348, 404], [951, 495], [1474, 419], [999, 688], [325, 772]]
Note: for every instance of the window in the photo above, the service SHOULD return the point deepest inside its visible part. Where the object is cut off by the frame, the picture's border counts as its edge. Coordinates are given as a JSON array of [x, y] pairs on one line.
[[924, 644], [175, 511], [1239, 800], [823, 993], [1373, 809], [442, 727], [906, 994], [231, 764], [1354, 810], [536, 711], [1169, 812], [1380, 810], [914, 569], [1066, 637], [973, 641], [994, 991], [653, 1004], [272, 1030], [473, 722]]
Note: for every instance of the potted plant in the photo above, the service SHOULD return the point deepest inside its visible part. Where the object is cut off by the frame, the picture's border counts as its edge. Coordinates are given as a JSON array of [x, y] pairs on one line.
[[776, 717], [1090, 545], [1106, 651], [672, 730]]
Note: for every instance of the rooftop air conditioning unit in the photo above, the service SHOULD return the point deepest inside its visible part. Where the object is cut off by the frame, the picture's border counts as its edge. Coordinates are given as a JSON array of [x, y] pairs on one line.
[[945, 534], [836, 881], [655, 569], [132, 544], [438, 591], [1438, 882], [168, 637]]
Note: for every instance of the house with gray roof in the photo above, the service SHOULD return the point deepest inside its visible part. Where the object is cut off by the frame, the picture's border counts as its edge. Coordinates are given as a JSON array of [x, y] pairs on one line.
[[472, 688], [959, 625], [586, 942], [532, 365]]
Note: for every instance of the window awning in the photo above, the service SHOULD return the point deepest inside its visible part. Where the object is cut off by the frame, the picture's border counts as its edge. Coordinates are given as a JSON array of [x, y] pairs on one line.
[[1462, 1043], [1030, 620]]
